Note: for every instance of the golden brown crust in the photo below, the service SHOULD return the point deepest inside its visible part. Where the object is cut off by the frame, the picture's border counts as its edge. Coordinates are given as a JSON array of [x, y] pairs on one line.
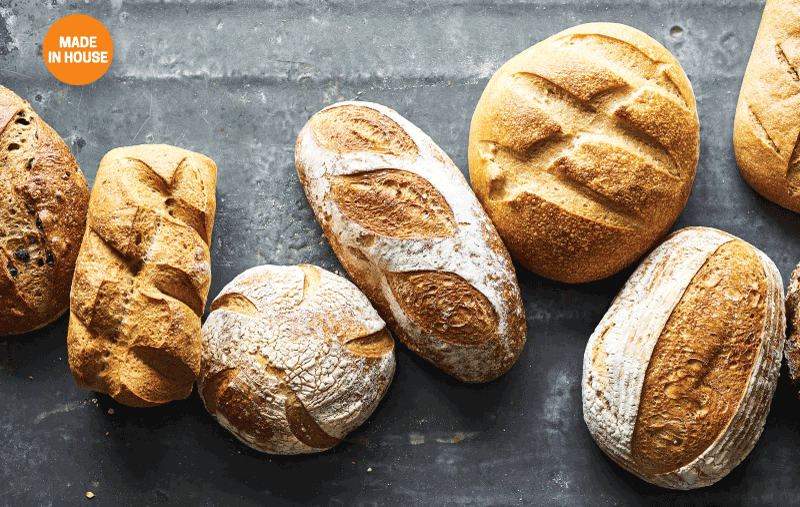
[[583, 150], [143, 274], [766, 126], [702, 362], [42, 218]]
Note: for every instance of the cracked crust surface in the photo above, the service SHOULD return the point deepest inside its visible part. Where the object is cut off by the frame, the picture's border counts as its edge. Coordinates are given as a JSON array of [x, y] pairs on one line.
[[43, 202], [679, 374], [583, 150], [143, 274], [294, 358], [411, 234]]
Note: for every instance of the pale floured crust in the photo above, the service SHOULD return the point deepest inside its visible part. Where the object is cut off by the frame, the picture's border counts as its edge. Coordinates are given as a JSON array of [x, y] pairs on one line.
[[294, 358], [43, 202], [583, 150], [712, 272], [766, 127], [409, 231], [142, 275]]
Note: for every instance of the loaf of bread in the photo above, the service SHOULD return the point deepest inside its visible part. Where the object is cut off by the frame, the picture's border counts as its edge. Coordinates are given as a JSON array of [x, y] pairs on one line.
[[143, 274], [294, 358], [679, 374], [409, 231], [792, 349], [767, 125], [42, 218], [583, 150]]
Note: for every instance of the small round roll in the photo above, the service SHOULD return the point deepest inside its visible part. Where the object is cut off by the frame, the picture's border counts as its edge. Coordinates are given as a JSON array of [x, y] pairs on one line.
[[293, 359]]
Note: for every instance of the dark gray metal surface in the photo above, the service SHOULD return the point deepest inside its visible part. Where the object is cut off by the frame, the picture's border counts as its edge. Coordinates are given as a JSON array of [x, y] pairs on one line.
[[236, 80]]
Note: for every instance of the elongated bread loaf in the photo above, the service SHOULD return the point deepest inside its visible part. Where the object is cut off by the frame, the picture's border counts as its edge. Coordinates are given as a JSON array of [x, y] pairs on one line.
[[679, 375], [767, 126], [143, 274], [583, 150], [43, 201], [294, 358], [409, 231]]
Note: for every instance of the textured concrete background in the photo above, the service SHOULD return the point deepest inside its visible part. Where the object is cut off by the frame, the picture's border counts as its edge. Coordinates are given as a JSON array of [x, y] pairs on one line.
[[236, 80]]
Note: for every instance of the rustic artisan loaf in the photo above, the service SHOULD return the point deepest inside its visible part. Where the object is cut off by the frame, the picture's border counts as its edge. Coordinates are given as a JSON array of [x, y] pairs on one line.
[[143, 274], [792, 349], [583, 150], [679, 374], [407, 228], [294, 358], [42, 218], [767, 125]]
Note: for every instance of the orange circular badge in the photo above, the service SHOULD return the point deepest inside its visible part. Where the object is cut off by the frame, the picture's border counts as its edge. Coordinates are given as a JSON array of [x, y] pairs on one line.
[[78, 49]]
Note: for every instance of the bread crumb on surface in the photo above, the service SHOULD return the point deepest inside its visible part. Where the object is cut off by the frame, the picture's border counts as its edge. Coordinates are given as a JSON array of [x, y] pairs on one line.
[[89, 494], [110, 410]]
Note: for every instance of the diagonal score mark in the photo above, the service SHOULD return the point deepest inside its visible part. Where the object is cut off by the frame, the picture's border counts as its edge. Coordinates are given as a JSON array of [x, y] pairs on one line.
[[622, 56], [375, 345], [235, 302], [311, 279], [761, 131], [304, 427], [559, 189], [793, 171], [597, 117], [785, 63]]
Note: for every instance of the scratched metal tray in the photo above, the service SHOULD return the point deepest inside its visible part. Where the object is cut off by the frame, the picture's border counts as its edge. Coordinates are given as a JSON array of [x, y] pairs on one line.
[[236, 80]]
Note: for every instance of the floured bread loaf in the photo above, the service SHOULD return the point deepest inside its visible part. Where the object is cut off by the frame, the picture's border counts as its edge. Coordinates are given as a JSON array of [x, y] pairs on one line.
[[679, 374], [294, 358], [143, 274], [409, 231], [583, 150], [43, 202], [767, 126]]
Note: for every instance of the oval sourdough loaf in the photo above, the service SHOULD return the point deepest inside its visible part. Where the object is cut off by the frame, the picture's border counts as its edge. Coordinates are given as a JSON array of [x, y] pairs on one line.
[[409, 231], [294, 358], [583, 150], [767, 125], [43, 201], [143, 274], [679, 374]]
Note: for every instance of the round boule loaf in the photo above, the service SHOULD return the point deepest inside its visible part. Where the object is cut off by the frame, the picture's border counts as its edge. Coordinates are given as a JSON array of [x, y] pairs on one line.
[[679, 374], [583, 150], [293, 359], [42, 218]]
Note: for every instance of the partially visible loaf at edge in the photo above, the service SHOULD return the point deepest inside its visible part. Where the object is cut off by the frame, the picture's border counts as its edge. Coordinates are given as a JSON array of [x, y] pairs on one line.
[[679, 375], [583, 150], [294, 358], [43, 201], [143, 274], [792, 349], [411, 234], [767, 125]]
